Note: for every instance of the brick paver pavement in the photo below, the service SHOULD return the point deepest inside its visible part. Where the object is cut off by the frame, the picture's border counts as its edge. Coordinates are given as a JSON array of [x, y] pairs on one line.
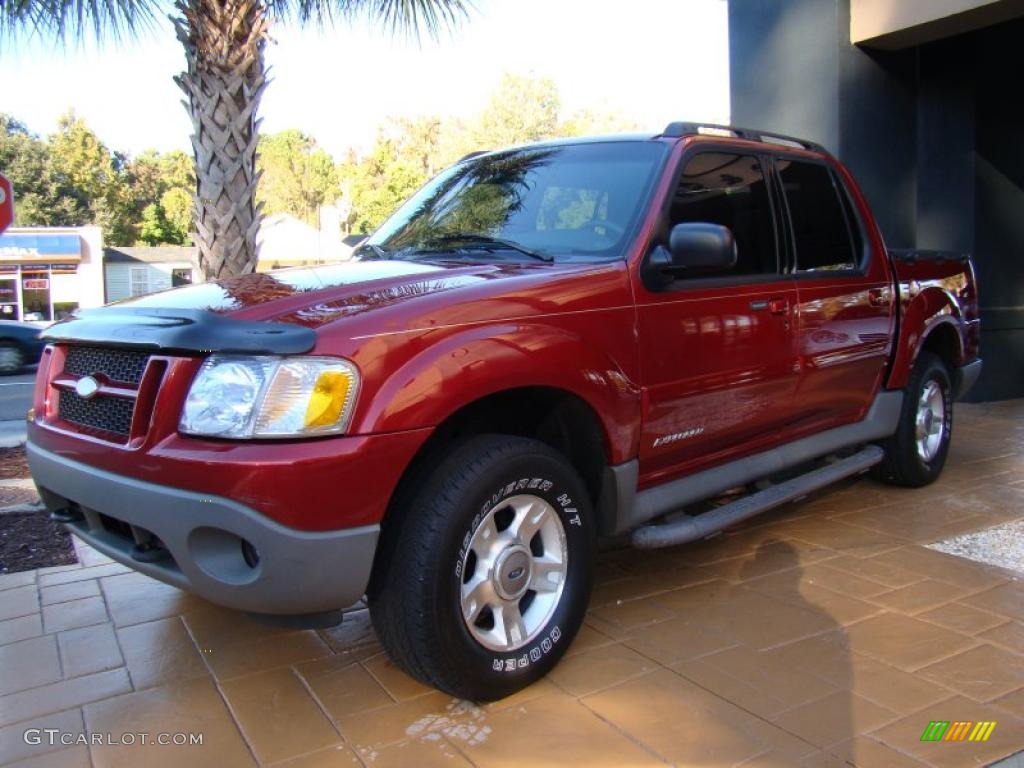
[[821, 634]]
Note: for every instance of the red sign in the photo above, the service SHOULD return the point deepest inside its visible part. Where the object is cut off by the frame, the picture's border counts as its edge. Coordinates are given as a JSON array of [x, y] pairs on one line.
[[38, 284], [6, 204]]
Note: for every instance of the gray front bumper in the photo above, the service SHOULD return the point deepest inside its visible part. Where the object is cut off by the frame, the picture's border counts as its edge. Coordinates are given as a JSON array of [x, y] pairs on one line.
[[298, 572]]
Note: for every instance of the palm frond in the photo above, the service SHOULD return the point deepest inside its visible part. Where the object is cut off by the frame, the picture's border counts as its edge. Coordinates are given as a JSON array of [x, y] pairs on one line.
[[75, 19], [408, 17]]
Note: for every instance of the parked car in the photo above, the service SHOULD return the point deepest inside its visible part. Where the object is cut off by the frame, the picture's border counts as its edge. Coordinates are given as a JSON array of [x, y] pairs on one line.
[[545, 345], [20, 345]]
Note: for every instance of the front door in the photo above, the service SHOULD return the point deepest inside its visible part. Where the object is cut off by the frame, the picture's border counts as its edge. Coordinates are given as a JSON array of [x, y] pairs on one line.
[[718, 352]]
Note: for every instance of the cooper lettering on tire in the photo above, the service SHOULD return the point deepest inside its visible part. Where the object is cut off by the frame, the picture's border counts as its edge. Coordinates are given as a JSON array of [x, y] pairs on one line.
[[486, 568]]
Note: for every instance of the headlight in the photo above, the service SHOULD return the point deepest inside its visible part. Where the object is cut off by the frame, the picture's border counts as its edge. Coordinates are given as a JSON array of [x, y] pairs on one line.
[[235, 396]]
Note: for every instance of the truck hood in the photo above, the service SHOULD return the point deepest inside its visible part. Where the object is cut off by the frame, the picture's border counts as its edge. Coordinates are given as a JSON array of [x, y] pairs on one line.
[[291, 311], [315, 296], [269, 295]]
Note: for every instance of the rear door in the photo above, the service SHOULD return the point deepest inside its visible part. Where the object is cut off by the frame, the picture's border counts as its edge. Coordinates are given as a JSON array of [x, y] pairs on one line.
[[718, 351], [845, 314]]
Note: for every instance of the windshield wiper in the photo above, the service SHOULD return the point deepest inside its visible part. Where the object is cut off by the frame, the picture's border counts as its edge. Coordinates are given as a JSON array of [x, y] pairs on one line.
[[490, 243], [377, 251]]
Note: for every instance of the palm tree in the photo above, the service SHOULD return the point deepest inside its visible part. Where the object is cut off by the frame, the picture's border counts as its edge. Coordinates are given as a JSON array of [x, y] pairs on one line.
[[223, 82]]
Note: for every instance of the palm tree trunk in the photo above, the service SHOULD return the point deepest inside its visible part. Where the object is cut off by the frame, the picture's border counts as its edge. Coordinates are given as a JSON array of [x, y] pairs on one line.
[[223, 84]]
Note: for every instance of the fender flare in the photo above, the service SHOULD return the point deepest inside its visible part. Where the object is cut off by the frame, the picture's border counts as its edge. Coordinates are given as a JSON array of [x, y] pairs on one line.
[[471, 363], [927, 312]]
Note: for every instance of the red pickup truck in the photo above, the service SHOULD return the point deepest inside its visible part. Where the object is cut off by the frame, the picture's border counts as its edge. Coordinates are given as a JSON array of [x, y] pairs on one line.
[[545, 345]]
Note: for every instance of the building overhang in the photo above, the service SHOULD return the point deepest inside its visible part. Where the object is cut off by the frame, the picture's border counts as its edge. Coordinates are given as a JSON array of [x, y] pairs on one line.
[[896, 24]]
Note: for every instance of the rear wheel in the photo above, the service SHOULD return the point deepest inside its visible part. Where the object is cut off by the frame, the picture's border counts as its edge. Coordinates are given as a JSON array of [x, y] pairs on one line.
[[484, 575], [915, 455]]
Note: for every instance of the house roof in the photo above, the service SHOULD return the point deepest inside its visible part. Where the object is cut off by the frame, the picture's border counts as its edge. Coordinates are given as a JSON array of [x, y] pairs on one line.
[[161, 254]]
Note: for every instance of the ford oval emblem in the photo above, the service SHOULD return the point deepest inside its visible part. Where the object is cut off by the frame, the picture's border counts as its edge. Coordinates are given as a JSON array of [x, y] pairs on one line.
[[87, 387]]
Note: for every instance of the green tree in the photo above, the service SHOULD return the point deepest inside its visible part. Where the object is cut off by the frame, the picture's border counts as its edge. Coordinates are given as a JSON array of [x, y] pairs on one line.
[[176, 204], [153, 228], [224, 79], [145, 179], [70, 179], [522, 109], [296, 176], [379, 183], [82, 164], [176, 170], [165, 183], [590, 122], [408, 151], [25, 160]]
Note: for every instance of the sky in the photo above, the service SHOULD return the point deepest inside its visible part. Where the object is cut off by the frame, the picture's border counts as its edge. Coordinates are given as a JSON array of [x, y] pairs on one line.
[[653, 60]]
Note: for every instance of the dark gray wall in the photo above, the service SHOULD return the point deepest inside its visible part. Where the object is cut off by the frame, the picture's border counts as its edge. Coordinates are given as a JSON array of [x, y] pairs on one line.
[[932, 133], [995, 56]]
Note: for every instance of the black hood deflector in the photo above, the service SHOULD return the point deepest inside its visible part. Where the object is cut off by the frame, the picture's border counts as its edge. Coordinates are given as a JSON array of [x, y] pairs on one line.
[[191, 331]]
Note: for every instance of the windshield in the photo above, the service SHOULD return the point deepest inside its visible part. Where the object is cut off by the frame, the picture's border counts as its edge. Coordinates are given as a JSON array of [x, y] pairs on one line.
[[579, 201]]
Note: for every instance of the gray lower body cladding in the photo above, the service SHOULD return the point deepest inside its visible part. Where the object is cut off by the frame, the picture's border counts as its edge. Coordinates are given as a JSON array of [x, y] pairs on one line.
[[701, 526], [639, 507], [966, 377], [296, 572]]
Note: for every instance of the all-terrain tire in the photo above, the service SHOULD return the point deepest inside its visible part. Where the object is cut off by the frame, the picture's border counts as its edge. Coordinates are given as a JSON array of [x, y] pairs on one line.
[[11, 358], [916, 453], [469, 523]]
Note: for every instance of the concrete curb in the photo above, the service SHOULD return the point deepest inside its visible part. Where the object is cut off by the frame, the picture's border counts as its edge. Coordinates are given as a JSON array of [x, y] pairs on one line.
[[20, 508], [12, 433]]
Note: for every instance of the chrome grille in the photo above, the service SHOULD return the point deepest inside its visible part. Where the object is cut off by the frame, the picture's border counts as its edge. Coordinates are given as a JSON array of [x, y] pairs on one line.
[[121, 365], [110, 414]]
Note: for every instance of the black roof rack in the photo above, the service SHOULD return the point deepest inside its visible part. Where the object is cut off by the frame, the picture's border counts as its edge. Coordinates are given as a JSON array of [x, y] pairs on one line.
[[680, 129]]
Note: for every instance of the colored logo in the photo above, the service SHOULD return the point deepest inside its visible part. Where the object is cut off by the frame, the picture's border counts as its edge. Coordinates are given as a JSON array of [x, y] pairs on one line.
[[958, 730]]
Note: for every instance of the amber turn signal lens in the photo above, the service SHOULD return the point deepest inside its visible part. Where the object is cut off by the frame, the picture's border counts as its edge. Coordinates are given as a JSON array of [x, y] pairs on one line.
[[328, 399]]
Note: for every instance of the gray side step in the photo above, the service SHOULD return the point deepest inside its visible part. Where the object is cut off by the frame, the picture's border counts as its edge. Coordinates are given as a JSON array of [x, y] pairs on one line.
[[701, 526], [880, 422]]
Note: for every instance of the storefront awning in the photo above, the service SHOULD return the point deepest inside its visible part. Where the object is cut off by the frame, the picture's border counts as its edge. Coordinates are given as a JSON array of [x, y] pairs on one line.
[[39, 248]]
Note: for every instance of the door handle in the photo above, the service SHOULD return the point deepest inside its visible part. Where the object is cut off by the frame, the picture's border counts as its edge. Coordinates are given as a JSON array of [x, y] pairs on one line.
[[878, 297], [775, 306]]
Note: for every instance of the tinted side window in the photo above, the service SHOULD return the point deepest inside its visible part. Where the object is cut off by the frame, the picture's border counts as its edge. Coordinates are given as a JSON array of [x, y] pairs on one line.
[[821, 231], [730, 190]]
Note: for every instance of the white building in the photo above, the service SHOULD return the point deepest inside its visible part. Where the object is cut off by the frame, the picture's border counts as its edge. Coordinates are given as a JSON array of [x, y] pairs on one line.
[[46, 272], [139, 270], [285, 241]]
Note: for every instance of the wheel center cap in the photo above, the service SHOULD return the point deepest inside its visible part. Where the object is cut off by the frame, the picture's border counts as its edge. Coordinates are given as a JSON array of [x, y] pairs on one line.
[[512, 572]]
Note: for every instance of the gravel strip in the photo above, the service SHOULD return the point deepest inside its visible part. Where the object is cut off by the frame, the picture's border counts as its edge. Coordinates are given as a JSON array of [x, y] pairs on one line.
[[1001, 545]]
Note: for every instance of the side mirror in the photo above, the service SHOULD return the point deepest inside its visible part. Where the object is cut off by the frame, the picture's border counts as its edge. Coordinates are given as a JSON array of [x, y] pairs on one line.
[[694, 246], [698, 245]]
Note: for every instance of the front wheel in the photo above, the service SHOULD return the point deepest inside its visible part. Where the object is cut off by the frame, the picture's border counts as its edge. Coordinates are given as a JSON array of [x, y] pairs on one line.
[[485, 571], [11, 358], [915, 455]]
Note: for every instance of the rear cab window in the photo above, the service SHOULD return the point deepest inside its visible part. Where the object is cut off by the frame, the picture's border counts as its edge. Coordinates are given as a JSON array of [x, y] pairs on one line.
[[825, 231]]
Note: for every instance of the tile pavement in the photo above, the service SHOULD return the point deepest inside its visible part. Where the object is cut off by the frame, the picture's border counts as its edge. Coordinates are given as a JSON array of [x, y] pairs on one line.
[[821, 634]]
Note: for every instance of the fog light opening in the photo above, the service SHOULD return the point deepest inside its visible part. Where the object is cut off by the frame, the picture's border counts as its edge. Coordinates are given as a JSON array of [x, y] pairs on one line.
[[250, 554]]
